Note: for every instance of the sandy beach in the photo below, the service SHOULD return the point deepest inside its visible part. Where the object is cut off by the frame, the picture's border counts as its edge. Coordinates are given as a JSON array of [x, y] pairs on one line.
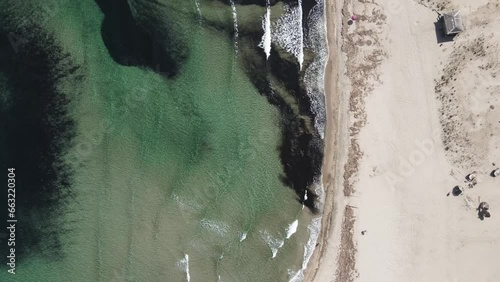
[[410, 115]]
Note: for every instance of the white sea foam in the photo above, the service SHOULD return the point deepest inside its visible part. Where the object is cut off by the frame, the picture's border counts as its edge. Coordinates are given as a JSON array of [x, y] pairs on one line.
[[289, 33], [292, 228], [301, 41], [185, 204], [219, 228], [184, 264], [295, 276], [265, 43], [314, 229], [235, 25], [314, 76], [243, 236], [198, 10], [274, 243]]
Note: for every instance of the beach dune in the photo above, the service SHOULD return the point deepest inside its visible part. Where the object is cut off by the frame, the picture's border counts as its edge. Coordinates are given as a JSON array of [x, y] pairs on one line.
[[411, 114]]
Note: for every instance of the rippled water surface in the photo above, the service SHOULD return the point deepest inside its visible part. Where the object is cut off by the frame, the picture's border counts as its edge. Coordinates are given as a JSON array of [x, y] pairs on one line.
[[161, 141]]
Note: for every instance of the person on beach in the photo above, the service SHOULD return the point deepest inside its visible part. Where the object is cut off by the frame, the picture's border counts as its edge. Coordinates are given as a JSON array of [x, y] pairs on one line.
[[483, 210]]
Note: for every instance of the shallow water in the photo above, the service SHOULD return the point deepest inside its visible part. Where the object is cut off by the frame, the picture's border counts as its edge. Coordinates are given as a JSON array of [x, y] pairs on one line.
[[172, 165]]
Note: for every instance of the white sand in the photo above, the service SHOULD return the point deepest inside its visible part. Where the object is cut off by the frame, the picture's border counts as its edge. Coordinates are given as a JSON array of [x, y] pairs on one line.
[[415, 232]]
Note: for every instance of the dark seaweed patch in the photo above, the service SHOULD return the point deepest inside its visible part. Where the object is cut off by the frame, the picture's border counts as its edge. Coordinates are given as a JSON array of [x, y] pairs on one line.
[[301, 150], [36, 133], [134, 42]]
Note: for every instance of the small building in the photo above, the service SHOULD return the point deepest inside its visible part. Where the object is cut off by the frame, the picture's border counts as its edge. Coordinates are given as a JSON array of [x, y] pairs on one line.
[[453, 23]]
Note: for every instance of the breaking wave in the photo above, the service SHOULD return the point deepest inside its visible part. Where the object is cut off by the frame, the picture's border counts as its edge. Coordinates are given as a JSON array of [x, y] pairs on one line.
[[266, 26], [292, 228], [184, 264], [274, 243], [288, 32], [235, 25], [198, 10], [216, 227], [243, 236], [314, 77], [313, 229]]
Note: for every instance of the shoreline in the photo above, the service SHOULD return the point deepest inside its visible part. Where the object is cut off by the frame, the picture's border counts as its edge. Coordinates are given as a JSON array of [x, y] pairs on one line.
[[401, 104], [335, 139]]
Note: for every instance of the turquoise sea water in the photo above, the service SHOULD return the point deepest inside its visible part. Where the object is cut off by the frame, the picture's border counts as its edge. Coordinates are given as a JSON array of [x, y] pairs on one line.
[[169, 169]]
